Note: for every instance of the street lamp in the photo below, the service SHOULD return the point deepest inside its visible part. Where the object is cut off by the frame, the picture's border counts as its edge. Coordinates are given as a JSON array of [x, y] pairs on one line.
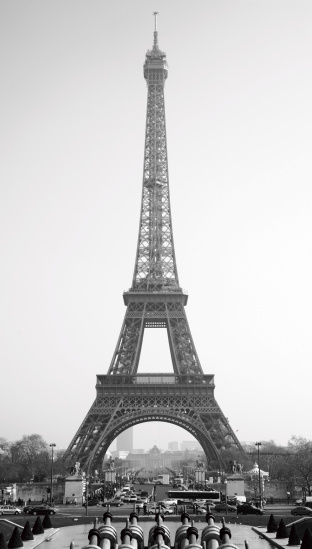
[[51, 487], [258, 444]]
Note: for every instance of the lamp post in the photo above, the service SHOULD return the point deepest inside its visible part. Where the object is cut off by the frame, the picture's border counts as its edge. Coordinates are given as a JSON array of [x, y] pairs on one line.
[[258, 444], [51, 487]]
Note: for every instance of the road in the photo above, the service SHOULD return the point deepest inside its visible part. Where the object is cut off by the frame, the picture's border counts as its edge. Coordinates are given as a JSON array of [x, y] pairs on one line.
[[161, 493], [126, 509]]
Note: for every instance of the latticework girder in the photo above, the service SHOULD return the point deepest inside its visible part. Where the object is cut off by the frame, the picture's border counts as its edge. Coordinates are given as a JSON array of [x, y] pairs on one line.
[[155, 266], [157, 314], [186, 401], [155, 300]]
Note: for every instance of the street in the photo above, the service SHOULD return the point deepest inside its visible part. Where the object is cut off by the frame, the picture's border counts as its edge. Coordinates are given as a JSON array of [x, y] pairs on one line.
[[127, 508]]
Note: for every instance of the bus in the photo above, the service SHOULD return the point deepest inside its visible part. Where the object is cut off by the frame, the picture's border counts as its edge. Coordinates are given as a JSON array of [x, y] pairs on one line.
[[185, 496]]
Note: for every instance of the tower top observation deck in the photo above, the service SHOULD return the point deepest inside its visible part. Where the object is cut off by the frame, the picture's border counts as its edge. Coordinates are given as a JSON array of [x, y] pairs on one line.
[[155, 61]]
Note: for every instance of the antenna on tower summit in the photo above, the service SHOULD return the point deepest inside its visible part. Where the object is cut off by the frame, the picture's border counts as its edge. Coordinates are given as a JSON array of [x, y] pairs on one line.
[[155, 13]]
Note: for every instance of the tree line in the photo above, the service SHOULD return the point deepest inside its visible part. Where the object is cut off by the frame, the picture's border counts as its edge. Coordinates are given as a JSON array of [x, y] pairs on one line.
[[29, 460]]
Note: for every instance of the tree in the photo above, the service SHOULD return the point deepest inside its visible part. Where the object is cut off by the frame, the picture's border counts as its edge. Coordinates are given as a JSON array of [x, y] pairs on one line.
[[60, 467], [30, 456], [273, 460], [300, 461]]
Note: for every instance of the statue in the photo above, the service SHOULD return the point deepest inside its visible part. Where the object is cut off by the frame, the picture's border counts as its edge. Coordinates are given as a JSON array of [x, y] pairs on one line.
[[110, 463], [239, 468], [76, 469]]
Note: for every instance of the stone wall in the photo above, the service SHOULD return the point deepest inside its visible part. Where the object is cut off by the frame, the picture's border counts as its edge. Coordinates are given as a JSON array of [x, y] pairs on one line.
[[37, 491]]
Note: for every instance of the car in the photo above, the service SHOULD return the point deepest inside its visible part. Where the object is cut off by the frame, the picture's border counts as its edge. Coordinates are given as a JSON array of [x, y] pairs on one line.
[[9, 510], [170, 501], [204, 503], [255, 502], [92, 503], [41, 510], [159, 509], [144, 500], [221, 507], [133, 498], [301, 510], [139, 504], [248, 509], [126, 499], [116, 502]]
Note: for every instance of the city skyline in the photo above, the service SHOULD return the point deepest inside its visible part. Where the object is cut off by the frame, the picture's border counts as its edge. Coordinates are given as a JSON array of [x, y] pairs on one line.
[[238, 117]]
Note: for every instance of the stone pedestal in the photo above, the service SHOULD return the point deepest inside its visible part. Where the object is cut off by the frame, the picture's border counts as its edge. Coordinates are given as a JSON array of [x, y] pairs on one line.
[[235, 485], [73, 489]]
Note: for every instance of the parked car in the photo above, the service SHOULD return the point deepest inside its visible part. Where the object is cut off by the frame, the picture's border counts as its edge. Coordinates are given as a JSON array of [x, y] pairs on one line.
[[40, 510], [221, 507], [133, 498], [159, 509], [301, 510], [248, 509], [9, 510]]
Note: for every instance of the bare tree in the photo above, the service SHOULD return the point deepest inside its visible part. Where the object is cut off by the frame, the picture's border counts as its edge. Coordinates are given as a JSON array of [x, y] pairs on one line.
[[300, 461]]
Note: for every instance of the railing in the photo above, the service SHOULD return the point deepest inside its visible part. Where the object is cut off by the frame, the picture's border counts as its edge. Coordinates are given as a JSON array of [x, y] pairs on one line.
[[168, 290], [156, 379]]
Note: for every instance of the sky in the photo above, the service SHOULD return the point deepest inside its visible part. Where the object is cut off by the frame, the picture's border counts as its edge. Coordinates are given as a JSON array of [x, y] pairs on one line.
[[239, 119]]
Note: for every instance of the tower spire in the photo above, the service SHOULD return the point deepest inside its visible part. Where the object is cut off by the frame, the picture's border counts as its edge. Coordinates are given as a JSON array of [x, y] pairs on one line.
[[155, 45]]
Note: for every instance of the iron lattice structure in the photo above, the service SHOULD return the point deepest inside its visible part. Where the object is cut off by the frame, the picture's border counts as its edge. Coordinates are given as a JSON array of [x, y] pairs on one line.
[[155, 300]]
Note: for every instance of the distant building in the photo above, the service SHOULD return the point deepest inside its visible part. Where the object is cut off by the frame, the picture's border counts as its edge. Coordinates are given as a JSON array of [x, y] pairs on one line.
[[125, 441], [121, 454], [173, 446], [156, 459], [190, 445]]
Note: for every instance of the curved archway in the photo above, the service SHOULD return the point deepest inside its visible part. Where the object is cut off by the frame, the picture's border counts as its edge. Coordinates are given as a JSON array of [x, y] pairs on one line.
[[128, 420], [121, 402]]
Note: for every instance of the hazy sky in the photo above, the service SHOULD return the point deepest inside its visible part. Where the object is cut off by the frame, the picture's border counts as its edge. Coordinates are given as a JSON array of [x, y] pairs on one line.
[[239, 119]]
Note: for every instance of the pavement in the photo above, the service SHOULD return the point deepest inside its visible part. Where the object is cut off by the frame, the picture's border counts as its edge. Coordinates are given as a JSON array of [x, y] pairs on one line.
[[271, 538], [257, 537], [38, 539], [63, 537]]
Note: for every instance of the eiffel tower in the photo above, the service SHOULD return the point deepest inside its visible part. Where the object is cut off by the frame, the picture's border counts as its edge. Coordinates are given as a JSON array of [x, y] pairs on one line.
[[125, 398]]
